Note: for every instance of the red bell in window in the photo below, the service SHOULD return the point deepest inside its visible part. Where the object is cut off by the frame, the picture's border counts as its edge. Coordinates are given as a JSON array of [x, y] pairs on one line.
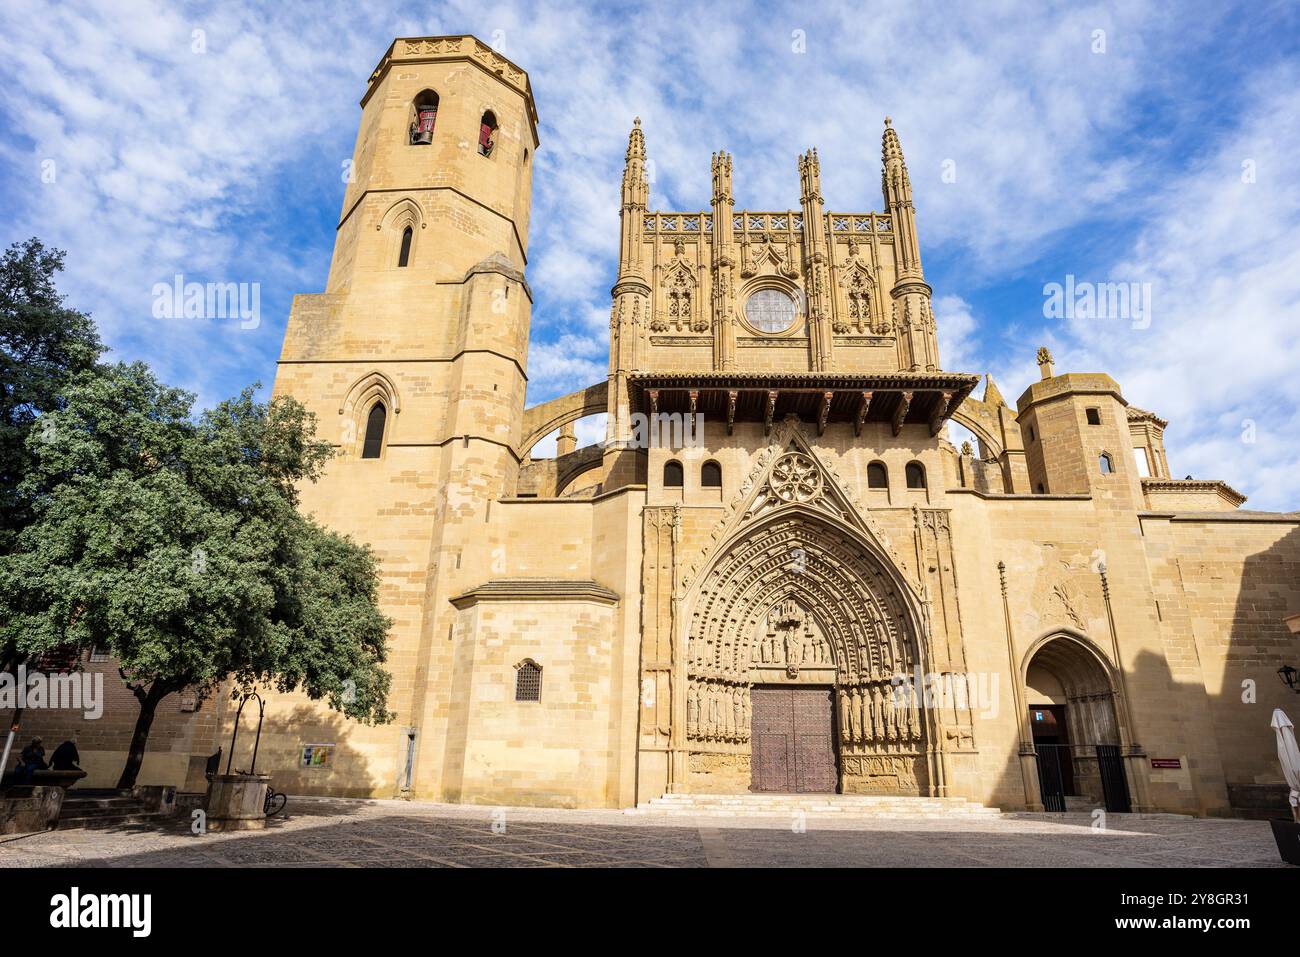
[[422, 131]]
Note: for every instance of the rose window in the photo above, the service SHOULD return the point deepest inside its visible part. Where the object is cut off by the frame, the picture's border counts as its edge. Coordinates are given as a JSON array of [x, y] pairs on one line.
[[796, 478]]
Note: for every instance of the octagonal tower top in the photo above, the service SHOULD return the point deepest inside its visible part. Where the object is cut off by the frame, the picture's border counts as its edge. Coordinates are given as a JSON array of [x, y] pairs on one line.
[[445, 49]]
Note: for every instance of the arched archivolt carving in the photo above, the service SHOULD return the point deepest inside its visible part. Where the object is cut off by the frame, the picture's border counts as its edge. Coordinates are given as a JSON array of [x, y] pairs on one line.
[[356, 405], [797, 554], [403, 214], [801, 592]]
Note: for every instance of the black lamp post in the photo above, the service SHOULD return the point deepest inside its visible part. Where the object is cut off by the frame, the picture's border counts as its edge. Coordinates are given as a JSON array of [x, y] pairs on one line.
[[1290, 677]]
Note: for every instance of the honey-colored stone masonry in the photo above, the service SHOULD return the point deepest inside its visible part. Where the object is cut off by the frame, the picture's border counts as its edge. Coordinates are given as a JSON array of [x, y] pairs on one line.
[[776, 515]]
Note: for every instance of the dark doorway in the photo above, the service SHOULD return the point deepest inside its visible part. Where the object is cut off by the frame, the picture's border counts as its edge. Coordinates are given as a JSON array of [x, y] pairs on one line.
[[1055, 761], [1074, 720], [793, 737]]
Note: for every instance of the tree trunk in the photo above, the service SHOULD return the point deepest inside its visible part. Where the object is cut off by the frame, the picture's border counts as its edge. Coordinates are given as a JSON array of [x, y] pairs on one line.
[[143, 722]]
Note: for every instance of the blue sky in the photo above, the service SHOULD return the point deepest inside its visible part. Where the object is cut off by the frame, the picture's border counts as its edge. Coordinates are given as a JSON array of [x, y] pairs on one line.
[[1131, 142]]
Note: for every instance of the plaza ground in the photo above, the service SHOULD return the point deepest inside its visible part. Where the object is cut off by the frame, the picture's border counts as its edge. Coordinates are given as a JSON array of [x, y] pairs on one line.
[[343, 833]]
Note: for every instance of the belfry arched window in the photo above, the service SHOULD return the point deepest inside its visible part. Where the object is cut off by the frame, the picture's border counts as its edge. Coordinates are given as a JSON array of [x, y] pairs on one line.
[[374, 431], [425, 117], [915, 475], [711, 475], [487, 130], [674, 477], [1106, 463], [404, 257], [877, 475]]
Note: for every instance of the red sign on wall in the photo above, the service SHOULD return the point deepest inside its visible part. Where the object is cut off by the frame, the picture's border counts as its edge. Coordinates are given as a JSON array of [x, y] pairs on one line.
[[1171, 763]]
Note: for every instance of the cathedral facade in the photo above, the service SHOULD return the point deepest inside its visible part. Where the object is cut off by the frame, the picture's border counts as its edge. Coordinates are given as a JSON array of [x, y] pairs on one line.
[[776, 572]]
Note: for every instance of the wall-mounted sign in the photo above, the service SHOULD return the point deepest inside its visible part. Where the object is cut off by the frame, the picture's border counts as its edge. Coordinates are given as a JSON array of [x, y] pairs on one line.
[[316, 756], [1172, 764]]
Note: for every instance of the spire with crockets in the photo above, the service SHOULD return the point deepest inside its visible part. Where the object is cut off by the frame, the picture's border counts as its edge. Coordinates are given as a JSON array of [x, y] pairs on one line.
[[918, 344]]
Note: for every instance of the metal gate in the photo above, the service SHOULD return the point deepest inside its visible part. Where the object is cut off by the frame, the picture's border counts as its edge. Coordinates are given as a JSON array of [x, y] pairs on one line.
[[793, 737], [1051, 774], [1114, 785], [1055, 776]]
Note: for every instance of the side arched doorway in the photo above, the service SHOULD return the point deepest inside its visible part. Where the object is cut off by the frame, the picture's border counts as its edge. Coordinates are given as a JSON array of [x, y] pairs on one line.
[[1074, 716], [793, 641]]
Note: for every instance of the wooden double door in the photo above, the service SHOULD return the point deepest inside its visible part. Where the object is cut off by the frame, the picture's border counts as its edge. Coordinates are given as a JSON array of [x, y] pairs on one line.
[[793, 739]]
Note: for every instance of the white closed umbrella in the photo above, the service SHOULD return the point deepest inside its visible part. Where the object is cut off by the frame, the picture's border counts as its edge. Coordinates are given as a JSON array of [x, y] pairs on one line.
[[1288, 753]]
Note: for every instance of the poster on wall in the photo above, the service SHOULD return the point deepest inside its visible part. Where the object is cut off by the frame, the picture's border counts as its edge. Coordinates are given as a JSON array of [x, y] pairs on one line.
[[316, 756]]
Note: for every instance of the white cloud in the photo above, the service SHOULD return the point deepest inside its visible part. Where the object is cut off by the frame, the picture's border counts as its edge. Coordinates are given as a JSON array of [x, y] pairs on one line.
[[225, 165], [956, 326], [1223, 259]]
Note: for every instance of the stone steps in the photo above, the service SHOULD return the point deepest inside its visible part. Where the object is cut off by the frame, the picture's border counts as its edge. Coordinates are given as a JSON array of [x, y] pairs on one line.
[[832, 805], [104, 811]]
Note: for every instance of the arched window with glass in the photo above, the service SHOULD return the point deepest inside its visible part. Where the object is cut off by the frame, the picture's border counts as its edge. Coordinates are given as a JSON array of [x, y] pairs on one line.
[[404, 257], [374, 441]]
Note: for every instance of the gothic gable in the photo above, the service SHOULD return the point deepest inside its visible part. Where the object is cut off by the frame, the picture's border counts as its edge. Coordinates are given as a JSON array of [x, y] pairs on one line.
[[789, 476]]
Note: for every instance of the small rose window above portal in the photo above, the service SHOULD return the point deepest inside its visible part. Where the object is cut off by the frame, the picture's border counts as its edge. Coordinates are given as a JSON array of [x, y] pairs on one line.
[[770, 310]]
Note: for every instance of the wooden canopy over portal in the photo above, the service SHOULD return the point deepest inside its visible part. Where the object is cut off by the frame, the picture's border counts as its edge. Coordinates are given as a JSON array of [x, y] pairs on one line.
[[898, 398]]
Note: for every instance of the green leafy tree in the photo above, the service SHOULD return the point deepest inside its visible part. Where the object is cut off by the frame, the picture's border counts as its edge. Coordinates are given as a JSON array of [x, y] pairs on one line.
[[177, 545], [43, 344]]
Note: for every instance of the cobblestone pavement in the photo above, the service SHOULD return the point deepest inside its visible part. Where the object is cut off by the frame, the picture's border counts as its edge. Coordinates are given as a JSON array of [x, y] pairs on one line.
[[339, 833]]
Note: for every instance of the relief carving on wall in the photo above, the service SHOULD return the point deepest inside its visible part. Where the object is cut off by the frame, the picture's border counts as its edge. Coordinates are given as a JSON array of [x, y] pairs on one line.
[[859, 304], [764, 254], [1066, 592], [791, 639], [680, 308]]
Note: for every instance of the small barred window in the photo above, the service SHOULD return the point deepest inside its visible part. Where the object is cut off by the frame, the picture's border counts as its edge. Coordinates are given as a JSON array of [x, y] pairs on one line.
[[528, 681]]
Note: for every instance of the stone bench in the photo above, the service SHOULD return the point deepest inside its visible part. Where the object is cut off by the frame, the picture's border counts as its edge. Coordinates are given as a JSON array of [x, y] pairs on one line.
[[46, 778]]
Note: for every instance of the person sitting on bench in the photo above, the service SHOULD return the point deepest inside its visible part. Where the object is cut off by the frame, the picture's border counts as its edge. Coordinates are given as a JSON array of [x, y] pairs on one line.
[[66, 757], [31, 760]]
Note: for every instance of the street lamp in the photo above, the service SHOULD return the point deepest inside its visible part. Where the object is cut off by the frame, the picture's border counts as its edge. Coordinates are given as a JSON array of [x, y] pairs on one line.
[[1289, 677]]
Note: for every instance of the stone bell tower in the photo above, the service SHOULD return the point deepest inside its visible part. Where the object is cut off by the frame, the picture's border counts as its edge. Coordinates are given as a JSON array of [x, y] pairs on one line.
[[414, 357]]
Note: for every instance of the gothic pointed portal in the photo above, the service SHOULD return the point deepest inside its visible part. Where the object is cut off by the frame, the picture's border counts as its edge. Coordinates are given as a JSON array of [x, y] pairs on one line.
[[800, 596]]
